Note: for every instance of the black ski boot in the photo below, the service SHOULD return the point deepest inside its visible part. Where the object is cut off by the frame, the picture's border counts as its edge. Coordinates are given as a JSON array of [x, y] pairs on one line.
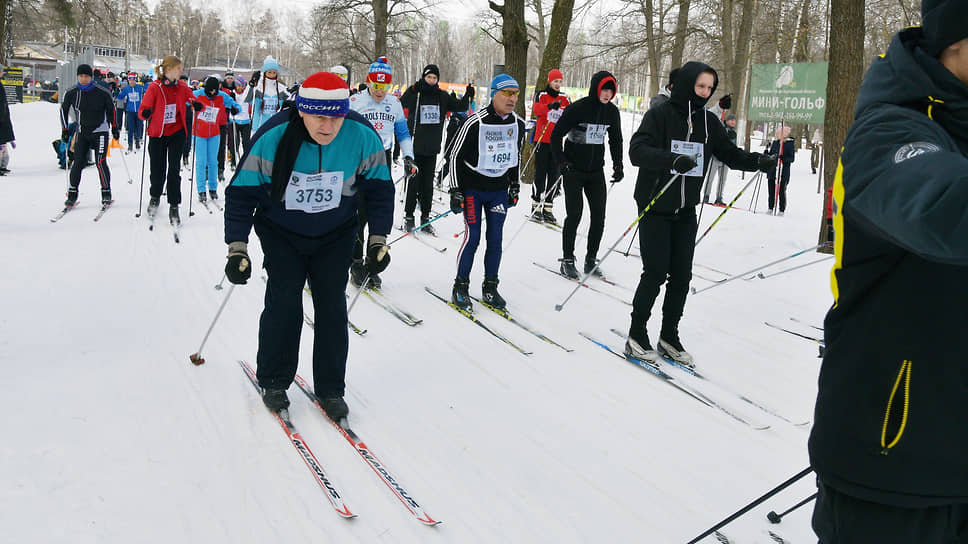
[[639, 347], [459, 296], [357, 273], [490, 295], [275, 399], [537, 213], [427, 229], [335, 407], [173, 215], [671, 347], [213, 195], [547, 214], [202, 197], [568, 269], [408, 223], [590, 266], [106, 197], [375, 281], [221, 176], [152, 206], [71, 197]]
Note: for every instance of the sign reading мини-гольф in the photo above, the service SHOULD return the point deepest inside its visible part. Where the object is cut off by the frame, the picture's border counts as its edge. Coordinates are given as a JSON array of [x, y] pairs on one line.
[[794, 92]]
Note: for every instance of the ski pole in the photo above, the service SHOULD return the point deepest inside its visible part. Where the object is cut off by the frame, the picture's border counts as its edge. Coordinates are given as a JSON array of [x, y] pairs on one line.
[[125, 163], [218, 286], [588, 274], [191, 165], [777, 518], [632, 241], [757, 269], [534, 150], [418, 227], [729, 207], [141, 192], [196, 358], [756, 194], [752, 505], [530, 216], [366, 281], [799, 266]]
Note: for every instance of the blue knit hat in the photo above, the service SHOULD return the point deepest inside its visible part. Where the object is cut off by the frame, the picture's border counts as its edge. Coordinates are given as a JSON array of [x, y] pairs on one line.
[[380, 71], [502, 81], [270, 64]]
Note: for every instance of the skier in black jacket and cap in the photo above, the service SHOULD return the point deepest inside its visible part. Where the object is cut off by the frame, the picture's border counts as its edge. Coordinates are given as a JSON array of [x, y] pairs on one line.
[[583, 127], [889, 436], [677, 137], [427, 105]]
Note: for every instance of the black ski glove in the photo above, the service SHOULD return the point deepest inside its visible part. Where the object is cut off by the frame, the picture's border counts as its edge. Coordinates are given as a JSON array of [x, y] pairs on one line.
[[146, 114], [684, 163], [456, 201], [554, 105], [377, 254], [618, 175], [65, 135], [255, 78], [116, 133], [410, 167], [726, 102], [238, 269], [198, 106], [766, 163], [235, 110], [513, 191]]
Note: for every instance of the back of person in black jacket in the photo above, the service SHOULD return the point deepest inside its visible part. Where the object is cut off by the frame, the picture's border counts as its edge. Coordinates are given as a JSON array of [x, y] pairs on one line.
[[675, 138], [427, 105], [583, 126], [93, 107], [889, 436], [786, 148]]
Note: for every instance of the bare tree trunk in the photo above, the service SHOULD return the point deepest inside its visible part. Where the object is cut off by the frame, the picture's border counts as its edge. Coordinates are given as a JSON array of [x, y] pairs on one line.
[[514, 38], [844, 75], [653, 48], [381, 19], [682, 30]]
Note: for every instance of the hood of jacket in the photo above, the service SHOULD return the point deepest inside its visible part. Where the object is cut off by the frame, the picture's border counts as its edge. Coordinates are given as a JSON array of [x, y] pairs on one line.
[[684, 86], [598, 81]]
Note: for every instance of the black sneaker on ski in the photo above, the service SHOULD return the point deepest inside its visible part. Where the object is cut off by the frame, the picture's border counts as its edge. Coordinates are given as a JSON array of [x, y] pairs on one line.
[[408, 223], [358, 273], [213, 195], [719, 202], [152, 206], [591, 266], [202, 197], [106, 197], [568, 269], [275, 399], [221, 176], [335, 407], [490, 295], [547, 214], [71, 197], [375, 281], [427, 229], [638, 346], [173, 216], [671, 347], [537, 214], [459, 295]]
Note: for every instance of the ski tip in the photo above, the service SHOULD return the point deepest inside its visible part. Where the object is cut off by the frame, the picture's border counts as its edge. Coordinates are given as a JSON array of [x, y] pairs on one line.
[[196, 359], [428, 521]]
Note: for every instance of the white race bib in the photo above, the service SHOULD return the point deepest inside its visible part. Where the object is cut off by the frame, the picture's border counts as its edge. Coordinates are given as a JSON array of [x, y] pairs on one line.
[[134, 97], [497, 148], [209, 114], [430, 114], [554, 115], [270, 104], [689, 148], [170, 113], [314, 193], [595, 134]]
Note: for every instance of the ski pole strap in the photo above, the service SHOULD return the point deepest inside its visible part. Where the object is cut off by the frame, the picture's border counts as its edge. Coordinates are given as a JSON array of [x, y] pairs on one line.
[[752, 505]]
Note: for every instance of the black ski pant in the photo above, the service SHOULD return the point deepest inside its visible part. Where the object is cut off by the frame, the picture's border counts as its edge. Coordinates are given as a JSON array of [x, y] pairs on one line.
[[291, 260], [359, 247], [241, 144], [545, 174], [668, 243], [165, 153], [771, 185], [226, 139], [592, 185], [842, 519], [189, 118], [91, 141], [421, 186]]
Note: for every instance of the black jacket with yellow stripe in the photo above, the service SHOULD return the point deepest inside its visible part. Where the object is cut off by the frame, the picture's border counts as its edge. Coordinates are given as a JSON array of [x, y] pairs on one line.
[[891, 420]]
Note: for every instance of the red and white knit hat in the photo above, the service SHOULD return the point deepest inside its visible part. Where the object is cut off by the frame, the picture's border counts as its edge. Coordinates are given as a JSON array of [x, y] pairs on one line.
[[324, 93]]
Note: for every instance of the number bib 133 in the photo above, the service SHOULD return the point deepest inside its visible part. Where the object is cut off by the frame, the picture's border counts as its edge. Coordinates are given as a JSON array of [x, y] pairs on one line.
[[314, 193]]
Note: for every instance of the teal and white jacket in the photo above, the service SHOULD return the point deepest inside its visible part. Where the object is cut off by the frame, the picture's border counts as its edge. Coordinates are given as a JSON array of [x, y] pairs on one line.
[[353, 164]]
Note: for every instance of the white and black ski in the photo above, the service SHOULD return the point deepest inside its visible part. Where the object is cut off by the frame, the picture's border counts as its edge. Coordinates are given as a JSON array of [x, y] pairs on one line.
[[585, 285], [60, 215], [383, 301], [104, 208], [506, 314]]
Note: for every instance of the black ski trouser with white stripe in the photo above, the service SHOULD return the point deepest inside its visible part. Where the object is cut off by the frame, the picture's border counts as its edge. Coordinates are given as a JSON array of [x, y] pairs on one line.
[[87, 141]]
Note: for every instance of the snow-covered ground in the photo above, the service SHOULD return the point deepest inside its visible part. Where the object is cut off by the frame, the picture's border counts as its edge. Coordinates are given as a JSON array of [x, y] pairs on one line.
[[111, 435]]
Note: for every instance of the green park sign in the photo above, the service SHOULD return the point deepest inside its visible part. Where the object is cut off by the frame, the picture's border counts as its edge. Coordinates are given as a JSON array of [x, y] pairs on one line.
[[794, 92]]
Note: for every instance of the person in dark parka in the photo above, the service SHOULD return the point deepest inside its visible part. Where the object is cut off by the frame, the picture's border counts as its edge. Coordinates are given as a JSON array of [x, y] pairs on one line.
[[6, 130], [889, 436]]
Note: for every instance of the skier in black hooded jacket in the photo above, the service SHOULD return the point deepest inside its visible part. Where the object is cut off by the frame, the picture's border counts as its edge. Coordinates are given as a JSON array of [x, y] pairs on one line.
[[674, 139], [889, 435], [426, 105], [583, 126]]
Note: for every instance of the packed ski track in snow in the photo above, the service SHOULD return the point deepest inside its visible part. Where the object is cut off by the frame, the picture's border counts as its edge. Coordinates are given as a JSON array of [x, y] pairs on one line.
[[112, 435]]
